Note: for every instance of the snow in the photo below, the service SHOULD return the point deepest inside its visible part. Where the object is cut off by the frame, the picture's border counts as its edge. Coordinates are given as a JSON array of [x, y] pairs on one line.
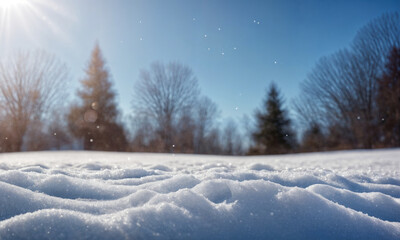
[[97, 195]]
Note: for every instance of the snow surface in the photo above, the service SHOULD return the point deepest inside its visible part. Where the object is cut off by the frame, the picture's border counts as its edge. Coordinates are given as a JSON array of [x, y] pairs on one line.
[[97, 195]]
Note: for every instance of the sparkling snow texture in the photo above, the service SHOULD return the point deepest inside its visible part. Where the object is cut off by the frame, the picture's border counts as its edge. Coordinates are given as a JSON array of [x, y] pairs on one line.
[[96, 195]]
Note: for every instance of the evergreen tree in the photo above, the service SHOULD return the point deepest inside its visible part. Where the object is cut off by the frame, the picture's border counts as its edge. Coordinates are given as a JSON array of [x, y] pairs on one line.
[[95, 119], [273, 134], [389, 100]]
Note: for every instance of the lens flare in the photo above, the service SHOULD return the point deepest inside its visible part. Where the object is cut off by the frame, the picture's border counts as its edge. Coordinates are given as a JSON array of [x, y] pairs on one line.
[[29, 20]]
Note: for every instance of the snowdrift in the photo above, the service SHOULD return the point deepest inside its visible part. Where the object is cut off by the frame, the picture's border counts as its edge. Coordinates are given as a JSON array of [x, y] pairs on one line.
[[97, 195]]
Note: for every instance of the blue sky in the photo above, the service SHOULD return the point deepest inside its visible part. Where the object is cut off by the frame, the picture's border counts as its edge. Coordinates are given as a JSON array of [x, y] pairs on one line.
[[235, 48]]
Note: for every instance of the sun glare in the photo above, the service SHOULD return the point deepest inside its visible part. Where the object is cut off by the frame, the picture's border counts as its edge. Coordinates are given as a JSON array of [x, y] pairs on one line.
[[30, 20]]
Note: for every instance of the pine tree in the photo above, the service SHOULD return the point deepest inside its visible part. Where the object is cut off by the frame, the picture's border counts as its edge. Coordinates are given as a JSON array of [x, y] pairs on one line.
[[95, 119], [273, 134], [389, 100]]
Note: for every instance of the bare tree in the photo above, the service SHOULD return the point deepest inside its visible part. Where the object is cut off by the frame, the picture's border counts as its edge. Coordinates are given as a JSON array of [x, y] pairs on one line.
[[143, 134], [5, 134], [59, 135], [328, 95], [184, 139], [205, 113], [371, 47], [231, 139], [313, 139], [163, 94], [32, 84], [341, 90]]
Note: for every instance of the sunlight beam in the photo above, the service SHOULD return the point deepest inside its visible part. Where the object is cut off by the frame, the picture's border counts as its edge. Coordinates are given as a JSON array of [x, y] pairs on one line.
[[29, 21]]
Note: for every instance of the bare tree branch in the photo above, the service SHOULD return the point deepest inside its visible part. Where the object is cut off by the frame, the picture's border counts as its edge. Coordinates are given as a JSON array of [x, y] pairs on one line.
[[31, 86]]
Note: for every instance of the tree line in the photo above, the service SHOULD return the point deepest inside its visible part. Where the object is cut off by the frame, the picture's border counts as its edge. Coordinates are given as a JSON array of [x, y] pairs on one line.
[[350, 99], [170, 113]]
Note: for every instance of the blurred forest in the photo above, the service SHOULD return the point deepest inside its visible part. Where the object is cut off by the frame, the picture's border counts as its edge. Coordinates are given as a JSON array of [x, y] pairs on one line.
[[349, 100]]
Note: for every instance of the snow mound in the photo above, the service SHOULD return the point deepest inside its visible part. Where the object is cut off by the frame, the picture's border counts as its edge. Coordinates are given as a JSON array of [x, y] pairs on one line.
[[96, 195]]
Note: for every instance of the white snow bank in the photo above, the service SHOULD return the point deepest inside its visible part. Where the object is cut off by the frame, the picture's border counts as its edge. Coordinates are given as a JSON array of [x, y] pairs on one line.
[[95, 195]]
